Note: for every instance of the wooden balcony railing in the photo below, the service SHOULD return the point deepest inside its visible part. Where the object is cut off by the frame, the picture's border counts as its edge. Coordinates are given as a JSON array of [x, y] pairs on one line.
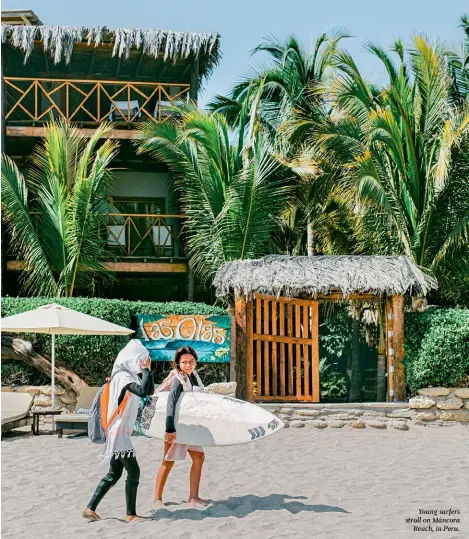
[[89, 102], [144, 236]]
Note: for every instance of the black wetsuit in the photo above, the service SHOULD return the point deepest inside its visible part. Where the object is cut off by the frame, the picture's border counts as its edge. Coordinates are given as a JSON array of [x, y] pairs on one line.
[[117, 464], [173, 397]]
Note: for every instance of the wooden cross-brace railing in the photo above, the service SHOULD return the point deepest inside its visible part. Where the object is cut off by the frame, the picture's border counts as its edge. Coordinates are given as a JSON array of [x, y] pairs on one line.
[[137, 235], [90, 101]]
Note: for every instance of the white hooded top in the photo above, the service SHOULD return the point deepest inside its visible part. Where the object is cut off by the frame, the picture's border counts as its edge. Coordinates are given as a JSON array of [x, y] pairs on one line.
[[125, 371]]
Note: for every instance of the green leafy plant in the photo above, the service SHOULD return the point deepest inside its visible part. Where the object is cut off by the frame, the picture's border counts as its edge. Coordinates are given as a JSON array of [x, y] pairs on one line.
[[54, 216], [333, 384], [229, 192], [437, 348]]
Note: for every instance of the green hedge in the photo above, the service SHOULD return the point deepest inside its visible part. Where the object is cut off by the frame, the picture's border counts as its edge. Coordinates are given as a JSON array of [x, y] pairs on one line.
[[89, 357], [437, 348], [436, 341]]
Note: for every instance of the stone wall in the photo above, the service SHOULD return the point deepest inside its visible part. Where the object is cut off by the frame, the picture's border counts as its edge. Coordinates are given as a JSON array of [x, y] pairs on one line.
[[433, 407], [441, 405]]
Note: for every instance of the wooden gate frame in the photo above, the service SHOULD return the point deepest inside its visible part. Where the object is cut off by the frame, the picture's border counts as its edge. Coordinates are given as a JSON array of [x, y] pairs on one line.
[[242, 370]]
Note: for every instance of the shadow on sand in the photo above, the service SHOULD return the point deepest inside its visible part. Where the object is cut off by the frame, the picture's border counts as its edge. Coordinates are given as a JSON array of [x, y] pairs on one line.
[[242, 506]]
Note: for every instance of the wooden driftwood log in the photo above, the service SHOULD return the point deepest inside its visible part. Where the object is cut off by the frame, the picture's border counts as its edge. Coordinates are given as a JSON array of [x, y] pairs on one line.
[[14, 349]]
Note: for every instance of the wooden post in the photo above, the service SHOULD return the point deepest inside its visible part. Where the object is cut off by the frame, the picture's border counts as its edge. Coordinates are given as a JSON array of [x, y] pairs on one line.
[[244, 344], [241, 346], [398, 346], [381, 363], [389, 351], [315, 382], [233, 348], [250, 351]]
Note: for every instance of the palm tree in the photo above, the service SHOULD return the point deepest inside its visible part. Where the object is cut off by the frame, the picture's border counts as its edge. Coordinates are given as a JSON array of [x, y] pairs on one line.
[[459, 63], [230, 193], [403, 155], [285, 84], [287, 87], [54, 216]]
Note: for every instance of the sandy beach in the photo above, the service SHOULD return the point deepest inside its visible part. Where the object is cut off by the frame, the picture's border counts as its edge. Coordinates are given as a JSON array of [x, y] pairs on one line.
[[300, 483]]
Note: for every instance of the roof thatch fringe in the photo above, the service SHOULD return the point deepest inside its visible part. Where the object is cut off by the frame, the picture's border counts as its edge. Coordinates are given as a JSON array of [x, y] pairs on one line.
[[295, 276], [59, 40]]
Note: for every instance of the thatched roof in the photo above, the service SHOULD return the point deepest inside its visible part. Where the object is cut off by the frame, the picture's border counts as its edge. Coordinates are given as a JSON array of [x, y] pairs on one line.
[[171, 46], [296, 276]]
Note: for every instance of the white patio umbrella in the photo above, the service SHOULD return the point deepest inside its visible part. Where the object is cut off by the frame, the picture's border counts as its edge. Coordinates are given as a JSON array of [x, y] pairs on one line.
[[58, 320]]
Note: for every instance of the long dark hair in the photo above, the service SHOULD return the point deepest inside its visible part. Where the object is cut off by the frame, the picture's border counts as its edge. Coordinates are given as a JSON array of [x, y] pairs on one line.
[[180, 352]]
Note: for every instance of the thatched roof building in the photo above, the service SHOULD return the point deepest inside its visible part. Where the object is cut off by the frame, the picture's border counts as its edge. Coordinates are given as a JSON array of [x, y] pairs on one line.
[[298, 276], [61, 42]]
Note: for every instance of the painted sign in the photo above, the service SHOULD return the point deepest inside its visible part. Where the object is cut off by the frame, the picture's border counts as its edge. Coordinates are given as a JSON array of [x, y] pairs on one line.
[[162, 335]]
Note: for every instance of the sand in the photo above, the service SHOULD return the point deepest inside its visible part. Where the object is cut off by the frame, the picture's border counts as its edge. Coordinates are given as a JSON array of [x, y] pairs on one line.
[[297, 484]]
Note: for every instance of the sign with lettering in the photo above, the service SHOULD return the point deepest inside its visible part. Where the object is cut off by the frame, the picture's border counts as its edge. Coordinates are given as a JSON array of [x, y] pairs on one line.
[[162, 335]]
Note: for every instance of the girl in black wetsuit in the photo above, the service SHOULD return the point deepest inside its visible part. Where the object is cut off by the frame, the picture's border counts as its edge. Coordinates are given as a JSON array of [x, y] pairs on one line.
[[132, 363], [184, 377]]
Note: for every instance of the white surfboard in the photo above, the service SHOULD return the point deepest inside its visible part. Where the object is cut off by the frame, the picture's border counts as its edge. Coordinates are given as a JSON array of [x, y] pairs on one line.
[[208, 419]]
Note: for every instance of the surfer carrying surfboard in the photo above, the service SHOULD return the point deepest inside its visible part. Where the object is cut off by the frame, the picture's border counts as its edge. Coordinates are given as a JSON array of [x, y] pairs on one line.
[[133, 360], [183, 377]]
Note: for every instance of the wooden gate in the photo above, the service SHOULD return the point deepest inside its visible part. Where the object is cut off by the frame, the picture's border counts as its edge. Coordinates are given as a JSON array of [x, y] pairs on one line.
[[283, 352]]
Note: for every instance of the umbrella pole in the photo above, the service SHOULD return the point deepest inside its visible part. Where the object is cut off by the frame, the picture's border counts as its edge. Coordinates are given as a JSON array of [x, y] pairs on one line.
[[53, 381]]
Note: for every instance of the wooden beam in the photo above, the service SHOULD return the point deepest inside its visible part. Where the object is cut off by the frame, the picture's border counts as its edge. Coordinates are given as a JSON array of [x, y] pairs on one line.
[[397, 303], [123, 267], [289, 398], [322, 297], [146, 267], [280, 338], [15, 265], [18, 131], [351, 297]]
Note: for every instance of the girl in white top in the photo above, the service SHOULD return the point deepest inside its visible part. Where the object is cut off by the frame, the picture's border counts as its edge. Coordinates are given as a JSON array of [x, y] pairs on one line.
[[183, 377]]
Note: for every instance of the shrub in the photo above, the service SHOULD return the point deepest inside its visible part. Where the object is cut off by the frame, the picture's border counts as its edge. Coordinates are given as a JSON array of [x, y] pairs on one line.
[[437, 348], [91, 357]]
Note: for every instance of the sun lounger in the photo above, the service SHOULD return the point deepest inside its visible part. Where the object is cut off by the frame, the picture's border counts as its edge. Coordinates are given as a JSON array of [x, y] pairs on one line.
[[77, 421], [16, 410]]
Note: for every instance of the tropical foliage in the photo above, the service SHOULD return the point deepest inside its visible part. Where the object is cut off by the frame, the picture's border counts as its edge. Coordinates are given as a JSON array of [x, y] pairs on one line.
[[459, 63], [315, 218], [53, 217], [402, 152], [230, 192], [437, 348]]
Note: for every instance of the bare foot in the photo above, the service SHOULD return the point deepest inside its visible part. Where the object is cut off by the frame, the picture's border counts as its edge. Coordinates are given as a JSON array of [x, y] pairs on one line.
[[90, 515], [158, 502], [198, 501], [134, 518]]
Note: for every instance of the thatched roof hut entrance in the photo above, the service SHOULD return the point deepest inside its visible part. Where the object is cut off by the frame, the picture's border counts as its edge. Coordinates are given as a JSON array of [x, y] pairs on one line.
[[275, 302]]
